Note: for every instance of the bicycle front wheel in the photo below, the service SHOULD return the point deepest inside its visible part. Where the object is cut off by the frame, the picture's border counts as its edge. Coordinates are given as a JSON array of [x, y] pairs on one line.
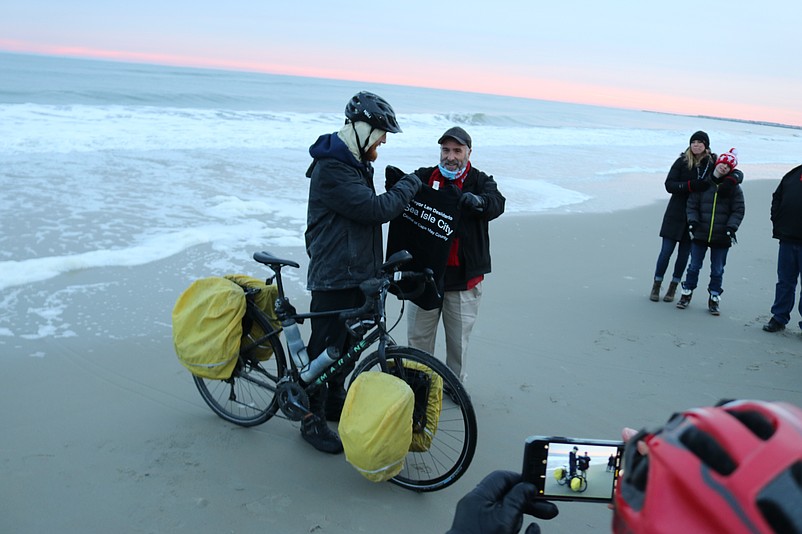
[[248, 397], [445, 453]]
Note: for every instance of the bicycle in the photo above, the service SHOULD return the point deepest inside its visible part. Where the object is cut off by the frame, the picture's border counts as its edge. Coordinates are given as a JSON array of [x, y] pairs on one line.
[[258, 389], [564, 477]]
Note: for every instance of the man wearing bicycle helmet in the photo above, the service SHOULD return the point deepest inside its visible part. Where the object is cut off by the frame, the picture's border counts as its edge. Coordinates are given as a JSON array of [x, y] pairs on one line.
[[735, 468], [344, 237]]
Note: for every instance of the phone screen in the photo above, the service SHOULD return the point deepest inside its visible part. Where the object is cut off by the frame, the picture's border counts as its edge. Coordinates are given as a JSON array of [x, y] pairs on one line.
[[572, 469]]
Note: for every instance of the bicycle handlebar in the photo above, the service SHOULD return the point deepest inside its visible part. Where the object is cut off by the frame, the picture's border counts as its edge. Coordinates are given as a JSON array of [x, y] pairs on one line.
[[373, 286]]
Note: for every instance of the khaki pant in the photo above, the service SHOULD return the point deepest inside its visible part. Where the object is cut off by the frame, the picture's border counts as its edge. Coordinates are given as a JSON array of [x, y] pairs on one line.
[[459, 312]]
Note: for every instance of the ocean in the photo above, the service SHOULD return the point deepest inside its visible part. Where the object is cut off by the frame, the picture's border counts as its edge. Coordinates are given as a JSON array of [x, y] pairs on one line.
[[106, 164]]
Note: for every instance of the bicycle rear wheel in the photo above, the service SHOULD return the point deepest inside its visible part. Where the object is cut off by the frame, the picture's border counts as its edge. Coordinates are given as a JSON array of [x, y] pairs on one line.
[[453, 444], [248, 397]]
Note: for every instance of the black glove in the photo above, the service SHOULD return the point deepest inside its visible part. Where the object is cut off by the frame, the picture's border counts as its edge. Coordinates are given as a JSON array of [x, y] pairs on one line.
[[497, 506], [727, 185], [391, 176], [731, 235], [472, 203], [697, 186]]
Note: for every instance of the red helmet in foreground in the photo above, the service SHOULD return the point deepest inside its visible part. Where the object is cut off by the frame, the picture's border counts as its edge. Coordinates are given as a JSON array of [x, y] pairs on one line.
[[735, 467]]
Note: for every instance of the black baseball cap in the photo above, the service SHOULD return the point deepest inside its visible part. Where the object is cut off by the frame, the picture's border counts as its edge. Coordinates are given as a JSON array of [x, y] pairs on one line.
[[457, 134]]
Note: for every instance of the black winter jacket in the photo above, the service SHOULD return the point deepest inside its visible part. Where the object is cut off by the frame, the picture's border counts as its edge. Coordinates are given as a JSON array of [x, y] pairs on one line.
[[344, 216], [473, 230], [716, 210], [680, 182], [786, 208]]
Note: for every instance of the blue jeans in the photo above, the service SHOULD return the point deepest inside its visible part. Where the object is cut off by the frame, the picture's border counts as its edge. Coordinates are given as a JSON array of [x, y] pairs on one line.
[[718, 258], [663, 259], [789, 267]]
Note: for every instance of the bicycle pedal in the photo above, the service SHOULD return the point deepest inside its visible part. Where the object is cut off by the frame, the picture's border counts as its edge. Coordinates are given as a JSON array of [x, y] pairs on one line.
[[292, 400]]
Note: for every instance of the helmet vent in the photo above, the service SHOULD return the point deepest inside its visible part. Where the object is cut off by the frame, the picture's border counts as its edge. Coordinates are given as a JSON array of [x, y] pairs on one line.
[[779, 501], [758, 423], [708, 450]]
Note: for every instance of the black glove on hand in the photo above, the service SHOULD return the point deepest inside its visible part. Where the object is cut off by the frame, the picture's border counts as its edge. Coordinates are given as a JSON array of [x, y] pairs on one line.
[[697, 186], [497, 506], [472, 203], [727, 185], [391, 176], [731, 235]]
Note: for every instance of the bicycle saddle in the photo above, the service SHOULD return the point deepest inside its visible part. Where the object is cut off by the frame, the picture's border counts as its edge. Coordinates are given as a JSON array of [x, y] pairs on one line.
[[269, 259]]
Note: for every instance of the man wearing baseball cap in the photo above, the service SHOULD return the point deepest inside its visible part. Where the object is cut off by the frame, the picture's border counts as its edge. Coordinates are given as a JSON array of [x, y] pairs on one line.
[[469, 256]]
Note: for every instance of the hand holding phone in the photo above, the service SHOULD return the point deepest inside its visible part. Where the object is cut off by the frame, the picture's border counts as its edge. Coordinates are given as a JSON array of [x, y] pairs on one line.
[[572, 469]]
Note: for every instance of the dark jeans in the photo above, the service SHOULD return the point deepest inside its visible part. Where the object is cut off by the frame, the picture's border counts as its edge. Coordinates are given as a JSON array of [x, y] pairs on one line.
[[718, 258], [329, 331], [664, 258], [789, 268]]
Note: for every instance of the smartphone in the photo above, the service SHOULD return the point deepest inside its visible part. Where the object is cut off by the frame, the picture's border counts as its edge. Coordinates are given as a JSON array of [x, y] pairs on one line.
[[572, 469]]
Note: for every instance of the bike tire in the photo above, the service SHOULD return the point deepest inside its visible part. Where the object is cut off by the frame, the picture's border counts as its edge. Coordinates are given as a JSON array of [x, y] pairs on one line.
[[454, 443], [583, 485], [248, 397]]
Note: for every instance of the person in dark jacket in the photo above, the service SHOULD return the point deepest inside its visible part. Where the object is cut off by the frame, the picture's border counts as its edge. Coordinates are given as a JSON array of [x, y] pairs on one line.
[[344, 238], [469, 256], [688, 174], [714, 216], [786, 220], [572, 461]]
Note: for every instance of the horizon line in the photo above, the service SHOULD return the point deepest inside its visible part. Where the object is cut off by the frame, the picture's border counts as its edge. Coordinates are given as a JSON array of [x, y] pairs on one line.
[[191, 63]]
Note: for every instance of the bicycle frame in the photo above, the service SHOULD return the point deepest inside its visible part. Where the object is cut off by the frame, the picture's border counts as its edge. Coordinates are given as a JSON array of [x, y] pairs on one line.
[[284, 310], [260, 385]]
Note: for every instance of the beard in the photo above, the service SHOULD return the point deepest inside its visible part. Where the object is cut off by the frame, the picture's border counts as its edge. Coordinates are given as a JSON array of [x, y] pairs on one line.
[[460, 165], [372, 153]]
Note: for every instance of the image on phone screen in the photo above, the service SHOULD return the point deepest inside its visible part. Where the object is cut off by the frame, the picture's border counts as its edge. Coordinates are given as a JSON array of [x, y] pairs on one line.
[[578, 470]]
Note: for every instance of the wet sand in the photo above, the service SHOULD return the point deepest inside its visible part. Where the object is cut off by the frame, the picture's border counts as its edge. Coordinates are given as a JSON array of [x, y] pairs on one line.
[[105, 432]]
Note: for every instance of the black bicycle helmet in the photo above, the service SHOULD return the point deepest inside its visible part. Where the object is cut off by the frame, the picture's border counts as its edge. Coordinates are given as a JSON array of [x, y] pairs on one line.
[[735, 468], [372, 109]]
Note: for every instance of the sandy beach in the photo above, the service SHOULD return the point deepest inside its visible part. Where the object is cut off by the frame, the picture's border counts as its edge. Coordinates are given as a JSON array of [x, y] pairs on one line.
[[106, 433]]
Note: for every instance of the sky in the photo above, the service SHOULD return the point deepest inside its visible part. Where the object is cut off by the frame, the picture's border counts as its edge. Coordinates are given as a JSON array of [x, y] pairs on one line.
[[726, 59]]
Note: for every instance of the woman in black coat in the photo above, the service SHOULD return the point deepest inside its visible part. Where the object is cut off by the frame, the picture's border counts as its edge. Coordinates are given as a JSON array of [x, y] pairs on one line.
[[688, 174]]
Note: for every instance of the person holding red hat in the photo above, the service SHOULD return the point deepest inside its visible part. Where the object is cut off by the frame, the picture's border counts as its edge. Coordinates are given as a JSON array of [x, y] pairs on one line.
[[714, 216]]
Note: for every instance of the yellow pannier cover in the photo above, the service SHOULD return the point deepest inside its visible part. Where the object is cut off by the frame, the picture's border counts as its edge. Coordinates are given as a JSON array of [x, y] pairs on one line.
[[265, 299], [423, 435], [376, 425], [207, 327]]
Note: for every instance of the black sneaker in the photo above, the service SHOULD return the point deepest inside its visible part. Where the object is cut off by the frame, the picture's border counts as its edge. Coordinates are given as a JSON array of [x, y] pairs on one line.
[[712, 304], [318, 434], [773, 326]]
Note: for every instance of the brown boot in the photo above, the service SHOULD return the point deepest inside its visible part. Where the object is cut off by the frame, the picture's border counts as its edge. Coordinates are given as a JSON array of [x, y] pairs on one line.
[[655, 296], [672, 289]]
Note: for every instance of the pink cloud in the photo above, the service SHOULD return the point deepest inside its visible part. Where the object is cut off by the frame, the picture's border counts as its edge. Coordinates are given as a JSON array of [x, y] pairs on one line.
[[498, 83]]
